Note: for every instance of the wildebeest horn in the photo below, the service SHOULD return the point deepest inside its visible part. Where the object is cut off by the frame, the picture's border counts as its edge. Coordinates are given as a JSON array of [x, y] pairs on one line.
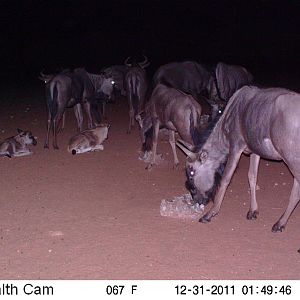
[[145, 63], [189, 153], [126, 62], [45, 76], [187, 145]]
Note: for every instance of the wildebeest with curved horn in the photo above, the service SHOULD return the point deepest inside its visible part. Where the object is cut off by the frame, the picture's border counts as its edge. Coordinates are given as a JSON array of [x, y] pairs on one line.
[[226, 80], [260, 122], [97, 88], [173, 110], [71, 89], [136, 86], [118, 73]]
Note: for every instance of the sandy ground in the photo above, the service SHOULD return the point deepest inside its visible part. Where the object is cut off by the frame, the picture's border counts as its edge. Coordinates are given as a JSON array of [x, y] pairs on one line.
[[97, 216]]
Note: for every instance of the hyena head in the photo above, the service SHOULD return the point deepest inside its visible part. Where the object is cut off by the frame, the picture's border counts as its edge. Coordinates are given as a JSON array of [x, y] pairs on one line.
[[26, 137]]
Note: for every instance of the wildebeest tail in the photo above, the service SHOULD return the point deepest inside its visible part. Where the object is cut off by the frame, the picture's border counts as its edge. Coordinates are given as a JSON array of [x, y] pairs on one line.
[[134, 82], [51, 96]]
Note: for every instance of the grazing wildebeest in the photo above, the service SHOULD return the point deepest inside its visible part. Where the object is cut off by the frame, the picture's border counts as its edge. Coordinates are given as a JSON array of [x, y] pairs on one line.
[[136, 88], [171, 109], [88, 140], [260, 122], [18, 144], [72, 89], [227, 79]]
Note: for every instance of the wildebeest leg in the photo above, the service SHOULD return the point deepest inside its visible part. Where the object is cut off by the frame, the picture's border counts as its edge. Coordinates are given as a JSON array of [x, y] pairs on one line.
[[87, 108], [49, 124], [62, 123], [56, 121], [173, 146], [154, 147], [131, 113], [293, 201], [228, 172], [79, 116], [252, 177]]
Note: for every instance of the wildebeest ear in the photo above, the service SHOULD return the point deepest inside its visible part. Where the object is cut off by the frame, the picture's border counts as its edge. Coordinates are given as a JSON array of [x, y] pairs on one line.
[[202, 156]]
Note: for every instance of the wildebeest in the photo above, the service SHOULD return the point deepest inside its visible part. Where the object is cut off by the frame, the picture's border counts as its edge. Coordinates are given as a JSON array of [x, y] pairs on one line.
[[211, 86], [118, 73], [136, 88], [227, 79], [260, 122], [18, 144], [97, 87], [190, 77], [88, 140], [187, 76], [73, 89], [171, 109]]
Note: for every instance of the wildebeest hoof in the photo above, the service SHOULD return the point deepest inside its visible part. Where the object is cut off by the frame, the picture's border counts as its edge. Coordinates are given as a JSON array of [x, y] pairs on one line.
[[277, 227], [252, 215], [298, 250], [205, 219], [46, 146]]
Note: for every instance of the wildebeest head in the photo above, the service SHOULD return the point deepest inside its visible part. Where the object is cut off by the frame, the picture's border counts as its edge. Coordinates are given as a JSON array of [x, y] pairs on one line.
[[46, 77], [107, 86], [203, 178], [25, 137]]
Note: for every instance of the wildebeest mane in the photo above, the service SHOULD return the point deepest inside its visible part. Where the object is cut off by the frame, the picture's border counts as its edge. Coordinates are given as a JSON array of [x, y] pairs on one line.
[[200, 136], [217, 180]]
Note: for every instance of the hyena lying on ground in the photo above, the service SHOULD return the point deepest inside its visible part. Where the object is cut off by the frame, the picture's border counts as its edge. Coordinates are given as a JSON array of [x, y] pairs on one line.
[[18, 145], [88, 140]]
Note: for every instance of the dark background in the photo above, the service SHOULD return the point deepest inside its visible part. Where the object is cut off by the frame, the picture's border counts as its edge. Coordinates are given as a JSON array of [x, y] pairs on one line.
[[35, 35]]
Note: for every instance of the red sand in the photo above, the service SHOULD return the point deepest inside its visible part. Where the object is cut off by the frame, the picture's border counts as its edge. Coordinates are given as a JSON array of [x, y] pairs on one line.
[[96, 215]]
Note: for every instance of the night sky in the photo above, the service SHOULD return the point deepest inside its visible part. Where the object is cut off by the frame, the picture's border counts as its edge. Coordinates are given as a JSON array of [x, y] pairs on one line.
[[52, 35]]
